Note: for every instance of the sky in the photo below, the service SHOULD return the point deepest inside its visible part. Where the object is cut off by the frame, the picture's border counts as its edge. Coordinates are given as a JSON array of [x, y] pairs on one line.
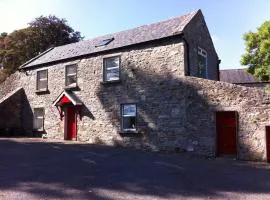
[[227, 20]]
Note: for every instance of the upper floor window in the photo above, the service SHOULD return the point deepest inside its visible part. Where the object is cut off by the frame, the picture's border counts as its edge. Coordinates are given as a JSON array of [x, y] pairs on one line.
[[71, 75], [39, 119], [129, 117], [202, 63], [42, 80], [111, 69]]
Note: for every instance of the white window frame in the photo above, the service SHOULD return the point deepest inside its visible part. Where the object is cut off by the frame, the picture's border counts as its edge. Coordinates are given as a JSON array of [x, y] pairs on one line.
[[39, 117], [74, 74], [42, 79], [203, 53], [105, 68], [123, 116]]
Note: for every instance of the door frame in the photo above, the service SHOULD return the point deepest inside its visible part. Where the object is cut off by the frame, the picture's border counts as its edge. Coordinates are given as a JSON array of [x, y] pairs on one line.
[[236, 132], [266, 140], [66, 124]]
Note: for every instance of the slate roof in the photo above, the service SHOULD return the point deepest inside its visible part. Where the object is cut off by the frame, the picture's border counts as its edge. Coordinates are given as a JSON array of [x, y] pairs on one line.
[[237, 76], [171, 27]]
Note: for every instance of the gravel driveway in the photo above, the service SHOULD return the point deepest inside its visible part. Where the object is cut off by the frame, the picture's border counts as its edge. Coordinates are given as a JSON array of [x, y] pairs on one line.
[[39, 169]]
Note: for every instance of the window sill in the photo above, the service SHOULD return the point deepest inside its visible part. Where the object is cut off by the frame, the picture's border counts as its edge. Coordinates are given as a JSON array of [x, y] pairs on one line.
[[72, 88], [130, 133], [38, 130], [42, 91], [111, 82]]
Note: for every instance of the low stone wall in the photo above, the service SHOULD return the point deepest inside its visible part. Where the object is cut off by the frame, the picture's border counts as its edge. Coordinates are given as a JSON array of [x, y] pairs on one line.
[[205, 97]]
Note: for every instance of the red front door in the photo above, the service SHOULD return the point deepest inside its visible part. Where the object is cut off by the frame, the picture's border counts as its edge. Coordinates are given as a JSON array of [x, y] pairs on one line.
[[267, 138], [71, 128], [226, 126]]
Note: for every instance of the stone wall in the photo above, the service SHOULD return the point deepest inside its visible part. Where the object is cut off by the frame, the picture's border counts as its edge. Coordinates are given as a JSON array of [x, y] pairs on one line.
[[206, 97]]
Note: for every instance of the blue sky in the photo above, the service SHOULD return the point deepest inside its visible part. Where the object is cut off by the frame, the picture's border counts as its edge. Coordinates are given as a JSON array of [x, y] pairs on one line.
[[227, 20]]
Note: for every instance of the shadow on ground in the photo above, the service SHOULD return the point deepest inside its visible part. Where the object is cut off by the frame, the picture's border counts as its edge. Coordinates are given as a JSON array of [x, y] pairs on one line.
[[43, 170]]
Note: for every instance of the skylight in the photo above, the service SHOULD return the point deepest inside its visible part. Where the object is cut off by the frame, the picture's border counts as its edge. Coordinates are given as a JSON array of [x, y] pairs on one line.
[[104, 42]]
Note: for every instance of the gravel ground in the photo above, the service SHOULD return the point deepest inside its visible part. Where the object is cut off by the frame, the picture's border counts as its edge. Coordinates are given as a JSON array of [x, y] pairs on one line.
[[41, 169]]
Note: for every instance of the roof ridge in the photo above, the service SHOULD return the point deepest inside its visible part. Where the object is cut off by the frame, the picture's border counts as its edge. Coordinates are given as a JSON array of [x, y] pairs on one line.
[[191, 15]]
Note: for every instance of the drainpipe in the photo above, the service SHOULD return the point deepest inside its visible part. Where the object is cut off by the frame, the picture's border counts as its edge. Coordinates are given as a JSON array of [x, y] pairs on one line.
[[187, 73], [218, 72]]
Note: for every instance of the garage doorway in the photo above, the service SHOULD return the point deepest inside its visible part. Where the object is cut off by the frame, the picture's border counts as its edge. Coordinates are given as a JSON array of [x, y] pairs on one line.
[[226, 130]]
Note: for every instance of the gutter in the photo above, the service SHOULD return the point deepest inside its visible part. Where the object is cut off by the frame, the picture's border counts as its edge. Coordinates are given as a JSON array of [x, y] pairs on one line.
[[218, 74]]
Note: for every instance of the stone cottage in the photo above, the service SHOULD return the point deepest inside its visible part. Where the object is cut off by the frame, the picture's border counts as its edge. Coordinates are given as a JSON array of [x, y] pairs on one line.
[[154, 87]]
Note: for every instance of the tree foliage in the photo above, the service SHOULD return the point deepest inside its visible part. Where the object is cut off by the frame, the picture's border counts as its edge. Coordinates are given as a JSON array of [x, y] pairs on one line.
[[257, 55], [41, 34]]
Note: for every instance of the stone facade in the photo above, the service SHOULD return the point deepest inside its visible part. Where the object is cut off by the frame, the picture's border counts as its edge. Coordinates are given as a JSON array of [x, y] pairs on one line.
[[102, 101]]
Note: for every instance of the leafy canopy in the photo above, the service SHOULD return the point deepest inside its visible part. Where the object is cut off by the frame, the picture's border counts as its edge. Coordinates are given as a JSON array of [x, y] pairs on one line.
[[257, 55], [42, 33]]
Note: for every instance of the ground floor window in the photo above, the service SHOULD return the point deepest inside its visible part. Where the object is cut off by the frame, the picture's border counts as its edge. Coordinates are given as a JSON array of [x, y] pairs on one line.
[[39, 119], [129, 117]]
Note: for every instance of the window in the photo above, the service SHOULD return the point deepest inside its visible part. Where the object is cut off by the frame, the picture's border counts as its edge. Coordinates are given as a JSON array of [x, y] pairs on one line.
[[202, 63], [42, 80], [129, 115], [39, 119], [111, 69], [71, 75], [104, 42]]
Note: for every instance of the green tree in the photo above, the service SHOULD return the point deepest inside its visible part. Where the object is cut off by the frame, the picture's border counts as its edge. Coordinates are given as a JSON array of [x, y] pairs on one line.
[[53, 31], [257, 55], [41, 34]]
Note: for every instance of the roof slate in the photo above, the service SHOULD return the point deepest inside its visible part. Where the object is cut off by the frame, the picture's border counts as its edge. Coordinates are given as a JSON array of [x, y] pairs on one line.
[[134, 36], [237, 76]]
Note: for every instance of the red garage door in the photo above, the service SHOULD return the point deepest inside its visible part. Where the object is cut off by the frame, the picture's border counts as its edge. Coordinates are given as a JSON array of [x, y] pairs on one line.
[[226, 126]]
